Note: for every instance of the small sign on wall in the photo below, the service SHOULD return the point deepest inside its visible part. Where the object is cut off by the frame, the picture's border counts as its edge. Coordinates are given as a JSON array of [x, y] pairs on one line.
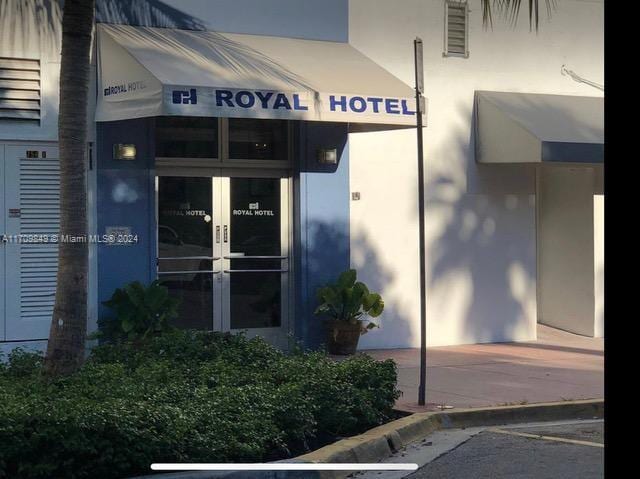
[[119, 236], [14, 212]]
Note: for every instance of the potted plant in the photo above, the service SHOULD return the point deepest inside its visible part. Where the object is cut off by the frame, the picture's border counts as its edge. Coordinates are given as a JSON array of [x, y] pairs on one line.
[[346, 305]]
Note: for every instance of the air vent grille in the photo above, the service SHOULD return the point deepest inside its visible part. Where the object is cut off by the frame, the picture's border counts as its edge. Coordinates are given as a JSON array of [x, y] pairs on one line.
[[456, 26], [20, 90]]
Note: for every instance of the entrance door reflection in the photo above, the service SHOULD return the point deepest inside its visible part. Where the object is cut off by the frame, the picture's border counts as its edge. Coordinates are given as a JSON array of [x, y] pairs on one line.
[[255, 249], [185, 247]]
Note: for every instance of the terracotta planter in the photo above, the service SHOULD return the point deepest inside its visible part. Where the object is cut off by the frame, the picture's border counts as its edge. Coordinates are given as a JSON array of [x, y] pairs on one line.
[[342, 337]]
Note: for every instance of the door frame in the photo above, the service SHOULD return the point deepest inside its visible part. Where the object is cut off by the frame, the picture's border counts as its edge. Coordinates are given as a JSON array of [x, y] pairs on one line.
[[3, 245], [221, 178]]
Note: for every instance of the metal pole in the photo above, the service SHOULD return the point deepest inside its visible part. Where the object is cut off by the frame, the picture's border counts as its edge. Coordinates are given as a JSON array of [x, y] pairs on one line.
[[417, 44]]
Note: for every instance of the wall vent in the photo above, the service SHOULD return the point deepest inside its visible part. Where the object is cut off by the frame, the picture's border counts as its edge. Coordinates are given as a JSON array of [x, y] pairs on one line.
[[20, 90], [39, 215], [456, 29]]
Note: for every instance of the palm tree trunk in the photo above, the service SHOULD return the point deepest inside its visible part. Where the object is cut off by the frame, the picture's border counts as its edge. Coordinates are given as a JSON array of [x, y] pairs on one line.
[[65, 349]]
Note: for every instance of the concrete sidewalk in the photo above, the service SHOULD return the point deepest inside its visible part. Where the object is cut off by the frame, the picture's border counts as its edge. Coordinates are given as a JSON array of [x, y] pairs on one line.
[[557, 366]]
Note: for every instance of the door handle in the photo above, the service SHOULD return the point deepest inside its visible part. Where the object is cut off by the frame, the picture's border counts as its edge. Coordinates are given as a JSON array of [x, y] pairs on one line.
[[209, 271], [256, 270], [218, 234], [213, 258], [226, 233], [242, 256]]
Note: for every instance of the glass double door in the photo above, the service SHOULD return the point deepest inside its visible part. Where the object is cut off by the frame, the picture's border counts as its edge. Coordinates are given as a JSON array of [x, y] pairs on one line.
[[223, 250]]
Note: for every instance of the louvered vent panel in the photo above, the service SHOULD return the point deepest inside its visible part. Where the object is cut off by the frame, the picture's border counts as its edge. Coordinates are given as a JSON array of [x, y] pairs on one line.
[[39, 215], [456, 28], [20, 90]]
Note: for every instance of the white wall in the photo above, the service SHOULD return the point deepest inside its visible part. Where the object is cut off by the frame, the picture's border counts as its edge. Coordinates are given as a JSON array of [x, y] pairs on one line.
[[566, 248], [481, 261], [598, 263], [31, 29]]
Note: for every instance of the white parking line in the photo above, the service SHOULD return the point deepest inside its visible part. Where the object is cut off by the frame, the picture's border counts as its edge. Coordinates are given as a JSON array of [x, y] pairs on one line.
[[546, 438]]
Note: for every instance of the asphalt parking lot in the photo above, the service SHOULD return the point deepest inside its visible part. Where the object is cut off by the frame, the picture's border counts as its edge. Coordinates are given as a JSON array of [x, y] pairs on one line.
[[536, 451]]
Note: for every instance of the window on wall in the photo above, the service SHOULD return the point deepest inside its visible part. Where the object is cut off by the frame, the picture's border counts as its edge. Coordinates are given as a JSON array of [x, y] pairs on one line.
[[20, 90], [186, 137], [228, 142], [456, 37], [251, 139]]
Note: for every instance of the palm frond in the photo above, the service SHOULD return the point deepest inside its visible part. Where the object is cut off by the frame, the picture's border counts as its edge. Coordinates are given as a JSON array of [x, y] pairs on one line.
[[510, 10]]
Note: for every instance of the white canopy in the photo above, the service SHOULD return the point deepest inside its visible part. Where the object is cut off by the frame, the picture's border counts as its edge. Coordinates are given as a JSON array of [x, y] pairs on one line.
[[535, 128], [146, 71]]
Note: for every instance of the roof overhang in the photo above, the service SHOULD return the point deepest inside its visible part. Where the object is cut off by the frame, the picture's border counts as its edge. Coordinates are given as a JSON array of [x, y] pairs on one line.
[[537, 128], [144, 71]]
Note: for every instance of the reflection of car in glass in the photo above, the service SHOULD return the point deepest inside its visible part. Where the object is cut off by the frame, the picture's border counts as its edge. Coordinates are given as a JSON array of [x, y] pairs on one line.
[[260, 245], [170, 245]]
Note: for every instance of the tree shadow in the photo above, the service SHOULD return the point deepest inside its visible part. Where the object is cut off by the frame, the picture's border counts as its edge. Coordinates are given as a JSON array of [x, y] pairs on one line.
[[395, 327], [481, 247], [329, 242], [481, 263], [30, 27], [206, 54], [145, 13]]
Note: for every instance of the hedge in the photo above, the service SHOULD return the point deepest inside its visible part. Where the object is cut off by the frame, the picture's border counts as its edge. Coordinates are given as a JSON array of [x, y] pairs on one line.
[[185, 396]]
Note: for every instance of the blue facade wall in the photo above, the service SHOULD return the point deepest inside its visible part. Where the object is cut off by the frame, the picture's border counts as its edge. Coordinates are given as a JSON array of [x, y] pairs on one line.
[[125, 197], [322, 221]]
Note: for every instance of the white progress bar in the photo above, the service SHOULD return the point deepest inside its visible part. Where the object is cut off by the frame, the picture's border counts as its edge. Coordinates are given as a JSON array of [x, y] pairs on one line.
[[285, 466]]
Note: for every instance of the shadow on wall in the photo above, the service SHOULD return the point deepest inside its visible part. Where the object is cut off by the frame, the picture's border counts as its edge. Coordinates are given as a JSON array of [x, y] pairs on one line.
[[201, 59], [481, 263], [481, 267], [327, 251], [35, 25], [329, 243], [30, 27], [149, 13], [481, 253], [395, 325]]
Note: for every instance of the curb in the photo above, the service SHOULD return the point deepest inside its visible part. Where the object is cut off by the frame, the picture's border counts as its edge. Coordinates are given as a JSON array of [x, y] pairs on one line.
[[380, 442]]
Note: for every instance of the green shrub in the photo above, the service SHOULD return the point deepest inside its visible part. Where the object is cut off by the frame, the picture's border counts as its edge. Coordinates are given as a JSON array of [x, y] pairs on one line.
[[141, 311], [183, 396]]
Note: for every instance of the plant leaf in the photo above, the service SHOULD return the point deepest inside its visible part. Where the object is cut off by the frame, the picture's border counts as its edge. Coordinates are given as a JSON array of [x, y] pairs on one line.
[[347, 279]]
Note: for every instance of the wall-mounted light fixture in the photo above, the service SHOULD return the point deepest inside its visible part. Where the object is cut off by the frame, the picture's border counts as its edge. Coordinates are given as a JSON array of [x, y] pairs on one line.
[[124, 152], [327, 156]]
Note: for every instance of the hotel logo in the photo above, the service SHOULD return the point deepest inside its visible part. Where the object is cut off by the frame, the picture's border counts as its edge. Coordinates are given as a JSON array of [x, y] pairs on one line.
[[183, 97]]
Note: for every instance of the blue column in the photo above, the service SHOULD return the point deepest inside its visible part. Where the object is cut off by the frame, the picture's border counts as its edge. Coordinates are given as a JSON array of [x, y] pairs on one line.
[[126, 197], [321, 207]]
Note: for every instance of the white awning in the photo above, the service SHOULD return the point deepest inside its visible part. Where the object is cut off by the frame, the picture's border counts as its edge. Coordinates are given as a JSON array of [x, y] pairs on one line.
[[535, 128], [145, 71]]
